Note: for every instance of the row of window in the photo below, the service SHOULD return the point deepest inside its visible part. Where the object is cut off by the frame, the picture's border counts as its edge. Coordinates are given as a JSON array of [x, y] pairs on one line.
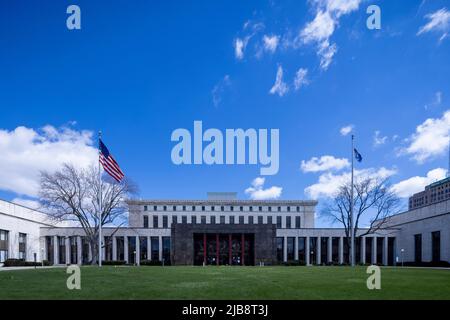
[[222, 208], [4, 245], [165, 221]]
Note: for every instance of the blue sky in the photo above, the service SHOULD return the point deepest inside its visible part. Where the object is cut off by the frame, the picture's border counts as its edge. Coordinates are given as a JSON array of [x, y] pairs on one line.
[[139, 70]]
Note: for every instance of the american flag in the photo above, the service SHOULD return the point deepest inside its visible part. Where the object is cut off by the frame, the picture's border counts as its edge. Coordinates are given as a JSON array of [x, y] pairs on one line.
[[109, 164]]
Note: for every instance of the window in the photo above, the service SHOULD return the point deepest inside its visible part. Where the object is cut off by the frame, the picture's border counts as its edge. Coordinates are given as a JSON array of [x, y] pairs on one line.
[[250, 220], [231, 208], [203, 208], [231, 219], [302, 250], [298, 209], [203, 219], [289, 209], [193, 208], [184, 219], [269, 220], [155, 222], [279, 222], [174, 208], [212, 208], [155, 208], [184, 208], [165, 221], [280, 249], [222, 208], [213, 220], [241, 208], [251, 208], [270, 209], [23, 246], [166, 249], [241, 219], [174, 219], [418, 247], [260, 220], [194, 219], [288, 222], [145, 208], [165, 208], [145, 221], [154, 245], [260, 209], [222, 219], [297, 222], [290, 248], [279, 209], [3, 245], [436, 246]]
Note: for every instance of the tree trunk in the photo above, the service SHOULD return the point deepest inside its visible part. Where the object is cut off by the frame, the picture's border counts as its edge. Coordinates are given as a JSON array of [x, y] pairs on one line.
[[94, 250]]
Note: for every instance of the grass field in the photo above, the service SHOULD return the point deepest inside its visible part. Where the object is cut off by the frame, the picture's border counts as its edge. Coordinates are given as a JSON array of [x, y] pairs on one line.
[[225, 283]]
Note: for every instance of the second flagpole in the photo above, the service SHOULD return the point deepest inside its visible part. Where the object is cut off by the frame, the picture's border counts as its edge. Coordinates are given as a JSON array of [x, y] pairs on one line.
[[352, 238]]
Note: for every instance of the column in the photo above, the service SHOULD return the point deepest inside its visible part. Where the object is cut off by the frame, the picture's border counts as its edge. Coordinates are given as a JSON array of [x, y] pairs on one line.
[[204, 249], [385, 251], [79, 250], [67, 242], [149, 248], [318, 251], [138, 251], [341, 250], [55, 250], [284, 249], [296, 248], [307, 253], [103, 256], [374, 250], [114, 248], [90, 251], [160, 248], [217, 248], [125, 248], [330, 249], [363, 250], [243, 250], [230, 252]]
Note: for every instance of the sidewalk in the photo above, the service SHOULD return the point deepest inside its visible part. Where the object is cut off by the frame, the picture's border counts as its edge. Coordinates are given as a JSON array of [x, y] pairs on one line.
[[27, 268]]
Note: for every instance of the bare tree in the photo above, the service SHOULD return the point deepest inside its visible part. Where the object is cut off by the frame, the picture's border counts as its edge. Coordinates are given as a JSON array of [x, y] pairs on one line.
[[372, 197], [72, 194]]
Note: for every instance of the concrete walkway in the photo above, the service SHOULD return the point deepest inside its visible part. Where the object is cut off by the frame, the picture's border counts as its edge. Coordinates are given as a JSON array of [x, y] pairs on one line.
[[27, 268]]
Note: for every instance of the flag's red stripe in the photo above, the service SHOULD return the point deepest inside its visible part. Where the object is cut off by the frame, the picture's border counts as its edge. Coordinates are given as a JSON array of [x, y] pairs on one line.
[[113, 164], [111, 171]]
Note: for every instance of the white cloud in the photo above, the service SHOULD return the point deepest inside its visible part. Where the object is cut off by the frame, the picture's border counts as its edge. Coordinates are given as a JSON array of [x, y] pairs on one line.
[[32, 204], [24, 152], [346, 130], [379, 140], [438, 21], [324, 163], [239, 47], [408, 187], [301, 78], [219, 89], [321, 28], [437, 100], [280, 87], [271, 43], [430, 139], [329, 183], [257, 191]]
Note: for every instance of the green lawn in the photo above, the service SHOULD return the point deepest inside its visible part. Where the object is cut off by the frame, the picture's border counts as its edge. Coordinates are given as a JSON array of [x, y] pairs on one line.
[[225, 283]]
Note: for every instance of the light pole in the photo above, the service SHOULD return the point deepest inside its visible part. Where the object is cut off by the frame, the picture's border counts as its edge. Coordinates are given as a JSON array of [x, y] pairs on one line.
[[402, 251]]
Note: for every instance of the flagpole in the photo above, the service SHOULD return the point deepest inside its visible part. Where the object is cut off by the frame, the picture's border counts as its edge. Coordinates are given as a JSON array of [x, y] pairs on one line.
[[352, 244], [99, 204]]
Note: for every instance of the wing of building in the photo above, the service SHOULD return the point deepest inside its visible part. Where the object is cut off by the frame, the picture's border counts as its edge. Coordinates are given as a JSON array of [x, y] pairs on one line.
[[223, 230]]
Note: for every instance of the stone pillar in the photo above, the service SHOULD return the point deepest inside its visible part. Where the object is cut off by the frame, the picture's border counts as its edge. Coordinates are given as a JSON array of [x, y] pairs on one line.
[[307, 251], [284, 249], [114, 248], [374, 250], [138, 251], [341, 250], [385, 251], [149, 249], [67, 241], [103, 248], [89, 252], [296, 248], [363, 250], [330, 249], [79, 250], [55, 250], [160, 248], [318, 251], [125, 248]]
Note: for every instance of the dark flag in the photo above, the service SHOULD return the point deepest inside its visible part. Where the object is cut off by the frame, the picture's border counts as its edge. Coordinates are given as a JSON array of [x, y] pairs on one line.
[[358, 156], [109, 164]]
